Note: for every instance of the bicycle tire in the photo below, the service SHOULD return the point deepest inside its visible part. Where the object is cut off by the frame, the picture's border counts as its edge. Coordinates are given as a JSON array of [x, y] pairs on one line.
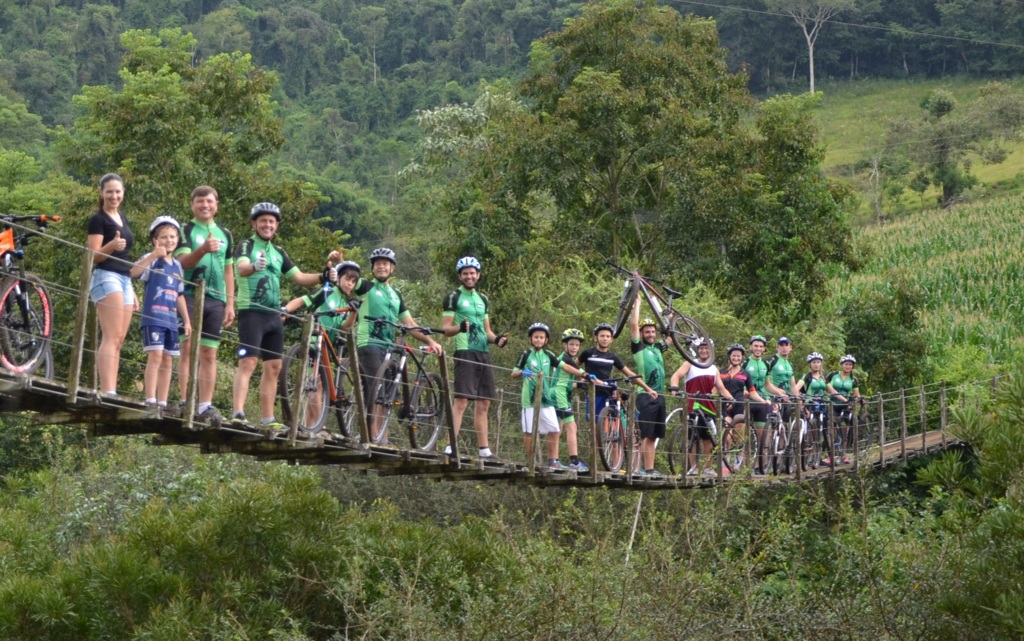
[[684, 331], [344, 404], [629, 291], [47, 365], [613, 450], [677, 443], [426, 412], [25, 333], [811, 452], [383, 400], [635, 460], [315, 401]]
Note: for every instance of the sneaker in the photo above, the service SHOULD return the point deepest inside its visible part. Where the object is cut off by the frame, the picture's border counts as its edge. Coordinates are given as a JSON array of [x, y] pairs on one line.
[[579, 466], [846, 459], [238, 417], [210, 415], [708, 472], [555, 464], [485, 452], [826, 460], [692, 471], [725, 471]]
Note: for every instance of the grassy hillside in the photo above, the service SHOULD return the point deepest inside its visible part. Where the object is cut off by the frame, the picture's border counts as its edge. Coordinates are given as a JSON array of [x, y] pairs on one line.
[[853, 119], [967, 264]]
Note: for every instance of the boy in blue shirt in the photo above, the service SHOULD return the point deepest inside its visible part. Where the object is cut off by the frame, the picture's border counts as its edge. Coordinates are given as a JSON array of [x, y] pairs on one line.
[[161, 305]]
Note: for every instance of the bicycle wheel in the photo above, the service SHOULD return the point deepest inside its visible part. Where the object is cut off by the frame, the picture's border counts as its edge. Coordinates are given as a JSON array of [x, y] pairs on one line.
[[635, 459], [26, 322], [684, 331], [613, 450], [677, 442], [791, 435], [811, 450], [776, 449], [344, 403], [383, 400], [626, 302], [426, 412], [46, 368], [315, 400]]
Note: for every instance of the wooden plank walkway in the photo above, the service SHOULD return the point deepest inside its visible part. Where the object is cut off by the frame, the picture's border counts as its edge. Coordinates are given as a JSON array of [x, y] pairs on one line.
[[48, 401]]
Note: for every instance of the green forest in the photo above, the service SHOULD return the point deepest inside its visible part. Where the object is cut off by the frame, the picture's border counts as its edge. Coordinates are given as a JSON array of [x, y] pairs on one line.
[[544, 137]]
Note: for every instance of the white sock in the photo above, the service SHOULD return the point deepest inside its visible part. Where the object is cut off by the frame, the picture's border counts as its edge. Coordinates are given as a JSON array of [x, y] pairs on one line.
[[485, 451], [151, 401], [162, 403], [111, 393], [203, 407], [266, 420]]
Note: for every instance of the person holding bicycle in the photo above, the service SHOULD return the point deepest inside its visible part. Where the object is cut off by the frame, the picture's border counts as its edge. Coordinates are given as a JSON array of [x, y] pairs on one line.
[[110, 239], [332, 296], [599, 361], [843, 387], [757, 373], [465, 316], [539, 359], [379, 300], [572, 341], [650, 404], [780, 380], [700, 381], [206, 250], [162, 304], [261, 264]]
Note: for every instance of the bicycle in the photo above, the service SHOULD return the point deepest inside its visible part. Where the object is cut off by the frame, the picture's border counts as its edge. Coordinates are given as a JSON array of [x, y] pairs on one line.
[[684, 445], [612, 423], [780, 449], [681, 330], [421, 404], [26, 315], [840, 432], [327, 387], [814, 428]]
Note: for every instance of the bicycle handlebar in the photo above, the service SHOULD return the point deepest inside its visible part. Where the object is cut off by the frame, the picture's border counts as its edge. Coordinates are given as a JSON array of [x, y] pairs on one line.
[[41, 220], [405, 329]]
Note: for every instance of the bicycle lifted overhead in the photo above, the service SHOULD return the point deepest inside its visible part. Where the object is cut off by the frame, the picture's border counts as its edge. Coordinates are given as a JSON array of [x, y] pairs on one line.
[[682, 331], [327, 380], [26, 315], [419, 402]]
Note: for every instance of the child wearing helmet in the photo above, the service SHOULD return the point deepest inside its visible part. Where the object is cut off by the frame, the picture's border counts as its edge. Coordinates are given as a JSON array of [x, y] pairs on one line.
[[538, 359], [572, 340], [466, 317], [162, 304]]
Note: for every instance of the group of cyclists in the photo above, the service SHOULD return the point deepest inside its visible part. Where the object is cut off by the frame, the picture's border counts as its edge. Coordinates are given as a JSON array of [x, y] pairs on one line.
[[246, 277]]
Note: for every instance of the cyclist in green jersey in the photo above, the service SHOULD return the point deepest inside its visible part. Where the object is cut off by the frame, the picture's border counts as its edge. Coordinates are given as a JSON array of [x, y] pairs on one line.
[[757, 372], [539, 359], [812, 383], [466, 318], [379, 300], [650, 405], [206, 251], [843, 387], [572, 342], [780, 380], [261, 265]]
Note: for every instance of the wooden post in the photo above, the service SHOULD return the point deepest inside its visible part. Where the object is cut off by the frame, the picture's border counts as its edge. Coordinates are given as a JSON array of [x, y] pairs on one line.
[[832, 431], [534, 449], [446, 395], [856, 441], [798, 450], [94, 342], [924, 423], [357, 389], [720, 459], [193, 353], [299, 393], [942, 412], [881, 431], [631, 436], [903, 425], [81, 321], [594, 436], [748, 445]]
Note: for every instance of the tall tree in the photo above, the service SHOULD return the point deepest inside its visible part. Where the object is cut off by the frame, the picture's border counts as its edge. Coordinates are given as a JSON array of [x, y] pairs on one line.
[[810, 16]]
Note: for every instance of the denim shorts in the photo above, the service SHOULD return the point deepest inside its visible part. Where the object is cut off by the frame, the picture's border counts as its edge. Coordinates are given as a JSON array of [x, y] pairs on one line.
[[106, 282]]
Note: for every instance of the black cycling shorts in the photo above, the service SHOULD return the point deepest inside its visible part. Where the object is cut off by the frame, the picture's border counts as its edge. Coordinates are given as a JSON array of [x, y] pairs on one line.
[[474, 375], [260, 335], [651, 416]]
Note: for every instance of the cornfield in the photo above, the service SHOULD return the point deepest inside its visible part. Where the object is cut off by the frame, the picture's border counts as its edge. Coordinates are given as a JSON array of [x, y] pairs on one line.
[[967, 262]]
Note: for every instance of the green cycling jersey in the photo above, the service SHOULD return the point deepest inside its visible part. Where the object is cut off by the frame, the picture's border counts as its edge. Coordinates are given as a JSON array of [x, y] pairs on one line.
[[468, 304], [261, 291]]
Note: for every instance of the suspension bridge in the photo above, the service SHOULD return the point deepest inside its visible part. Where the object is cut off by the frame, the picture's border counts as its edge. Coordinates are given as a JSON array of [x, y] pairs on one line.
[[902, 424]]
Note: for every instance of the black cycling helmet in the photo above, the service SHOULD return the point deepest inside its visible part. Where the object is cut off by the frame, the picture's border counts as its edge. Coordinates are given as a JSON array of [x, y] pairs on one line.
[[538, 327], [265, 208], [600, 326], [734, 347], [383, 253]]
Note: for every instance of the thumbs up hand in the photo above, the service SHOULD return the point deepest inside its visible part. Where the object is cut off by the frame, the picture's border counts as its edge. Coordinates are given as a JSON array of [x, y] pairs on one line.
[[260, 263], [119, 243]]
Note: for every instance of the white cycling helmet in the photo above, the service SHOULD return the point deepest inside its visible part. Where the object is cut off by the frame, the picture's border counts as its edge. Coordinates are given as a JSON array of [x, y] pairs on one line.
[[383, 253], [815, 356], [467, 261], [265, 208], [160, 221], [848, 358]]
